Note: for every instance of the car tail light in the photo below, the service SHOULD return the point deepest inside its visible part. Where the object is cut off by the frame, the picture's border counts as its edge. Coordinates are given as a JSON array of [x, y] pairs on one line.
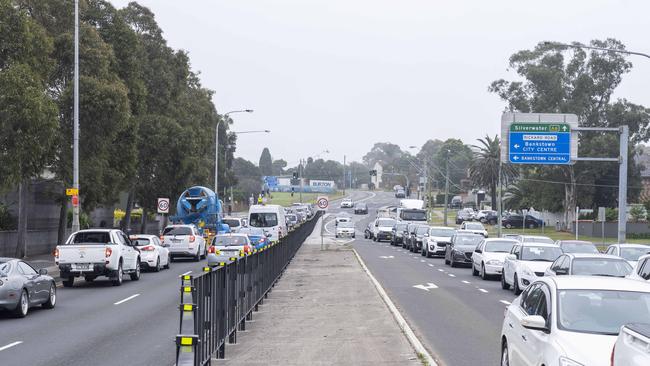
[[148, 248], [56, 253], [247, 249], [192, 238], [212, 249], [108, 252], [162, 238]]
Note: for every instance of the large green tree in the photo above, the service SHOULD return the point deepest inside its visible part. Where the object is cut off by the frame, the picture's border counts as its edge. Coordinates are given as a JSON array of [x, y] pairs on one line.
[[266, 162], [484, 168], [554, 79]]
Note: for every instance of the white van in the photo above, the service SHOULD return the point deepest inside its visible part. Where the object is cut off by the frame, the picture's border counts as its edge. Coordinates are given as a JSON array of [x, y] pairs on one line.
[[412, 204], [270, 218]]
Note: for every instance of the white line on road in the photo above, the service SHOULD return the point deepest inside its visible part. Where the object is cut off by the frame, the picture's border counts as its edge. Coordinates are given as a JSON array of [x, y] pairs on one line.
[[127, 299], [430, 265], [422, 260], [504, 302], [451, 275], [441, 270], [466, 281], [483, 290], [10, 345]]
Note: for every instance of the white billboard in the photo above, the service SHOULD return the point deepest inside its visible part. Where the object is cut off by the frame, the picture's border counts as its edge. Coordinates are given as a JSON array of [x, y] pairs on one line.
[[322, 184]]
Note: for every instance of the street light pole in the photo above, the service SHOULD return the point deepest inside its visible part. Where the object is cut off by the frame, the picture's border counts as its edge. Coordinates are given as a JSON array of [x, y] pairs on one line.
[[446, 187], [75, 157], [216, 146]]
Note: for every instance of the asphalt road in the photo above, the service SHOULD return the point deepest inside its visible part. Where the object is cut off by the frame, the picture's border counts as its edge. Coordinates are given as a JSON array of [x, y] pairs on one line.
[[92, 324], [457, 316]]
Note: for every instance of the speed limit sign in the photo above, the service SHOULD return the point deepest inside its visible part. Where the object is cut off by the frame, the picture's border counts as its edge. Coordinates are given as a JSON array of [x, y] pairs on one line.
[[163, 205], [322, 202]]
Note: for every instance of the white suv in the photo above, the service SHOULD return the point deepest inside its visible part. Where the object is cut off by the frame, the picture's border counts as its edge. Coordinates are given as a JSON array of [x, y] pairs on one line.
[[184, 241], [488, 257], [526, 262]]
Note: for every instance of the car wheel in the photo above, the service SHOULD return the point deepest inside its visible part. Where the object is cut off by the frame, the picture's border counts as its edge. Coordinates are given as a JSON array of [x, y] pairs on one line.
[[505, 359], [336, 235], [474, 271], [515, 286], [169, 260], [51, 300], [484, 276], [453, 263], [136, 275], [374, 238], [197, 256], [119, 276], [68, 282], [504, 284], [446, 260], [354, 236], [157, 267], [423, 253], [22, 308], [532, 226], [508, 226]]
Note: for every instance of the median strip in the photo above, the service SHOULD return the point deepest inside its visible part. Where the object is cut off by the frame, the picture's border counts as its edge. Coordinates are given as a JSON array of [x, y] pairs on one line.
[[127, 299], [10, 345]]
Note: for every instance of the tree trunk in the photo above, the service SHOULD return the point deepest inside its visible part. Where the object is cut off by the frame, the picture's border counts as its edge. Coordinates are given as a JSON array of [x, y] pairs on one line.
[[21, 245], [493, 195], [125, 225], [143, 227], [570, 199], [63, 221]]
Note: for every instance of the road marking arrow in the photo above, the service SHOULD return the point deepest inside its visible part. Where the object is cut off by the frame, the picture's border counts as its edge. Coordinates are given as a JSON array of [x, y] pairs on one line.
[[427, 287]]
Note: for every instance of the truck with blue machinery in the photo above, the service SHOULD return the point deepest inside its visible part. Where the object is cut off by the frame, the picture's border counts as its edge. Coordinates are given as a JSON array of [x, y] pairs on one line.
[[201, 207]]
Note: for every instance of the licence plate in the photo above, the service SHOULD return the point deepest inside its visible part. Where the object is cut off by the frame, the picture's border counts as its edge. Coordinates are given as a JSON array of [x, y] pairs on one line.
[[81, 267], [177, 240]]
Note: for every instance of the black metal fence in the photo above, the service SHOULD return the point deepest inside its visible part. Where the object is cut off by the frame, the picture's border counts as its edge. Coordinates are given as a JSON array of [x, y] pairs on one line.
[[217, 303]]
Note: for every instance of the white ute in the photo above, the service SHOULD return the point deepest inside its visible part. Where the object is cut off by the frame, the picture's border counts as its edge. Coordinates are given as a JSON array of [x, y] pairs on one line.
[[97, 252]]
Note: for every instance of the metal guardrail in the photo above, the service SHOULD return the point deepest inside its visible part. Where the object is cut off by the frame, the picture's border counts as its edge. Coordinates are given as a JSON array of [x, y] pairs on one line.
[[217, 303]]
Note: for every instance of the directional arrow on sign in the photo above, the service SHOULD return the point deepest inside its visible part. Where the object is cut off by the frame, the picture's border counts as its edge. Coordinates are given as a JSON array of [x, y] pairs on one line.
[[427, 287], [516, 146], [515, 157], [563, 127]]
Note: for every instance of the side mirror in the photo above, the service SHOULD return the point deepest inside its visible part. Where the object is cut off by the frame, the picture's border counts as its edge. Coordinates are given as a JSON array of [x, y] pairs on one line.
[[42, 271], [535, 322], [511, 257], [478, 251], [562, 271], [427, 234]]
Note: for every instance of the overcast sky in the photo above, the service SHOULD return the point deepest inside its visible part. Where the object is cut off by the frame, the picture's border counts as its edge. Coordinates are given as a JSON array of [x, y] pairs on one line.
[[340, 75]]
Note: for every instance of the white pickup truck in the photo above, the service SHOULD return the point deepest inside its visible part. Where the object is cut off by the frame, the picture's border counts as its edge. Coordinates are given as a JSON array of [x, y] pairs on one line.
[[97, 252], [632, 347]]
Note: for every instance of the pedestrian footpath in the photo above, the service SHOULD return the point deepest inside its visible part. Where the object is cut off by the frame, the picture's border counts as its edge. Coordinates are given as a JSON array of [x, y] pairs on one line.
[[323, 311]]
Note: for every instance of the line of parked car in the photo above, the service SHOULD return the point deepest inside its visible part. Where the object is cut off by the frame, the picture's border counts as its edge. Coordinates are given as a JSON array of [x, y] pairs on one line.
[[573, 301], [508, 220]]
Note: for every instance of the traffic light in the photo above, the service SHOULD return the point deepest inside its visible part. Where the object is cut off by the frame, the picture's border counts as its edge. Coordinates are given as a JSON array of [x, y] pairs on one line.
[[373, 173], [295, 175]]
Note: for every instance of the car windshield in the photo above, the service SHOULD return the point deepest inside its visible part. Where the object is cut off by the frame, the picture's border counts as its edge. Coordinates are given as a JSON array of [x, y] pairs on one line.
[[537, 239], [177, 230], [386, 222], [633, 254], [91, 237], [601, 267], [347, 224], [231, 222], [499, 246], [413, 215], [263, 219], [229, 241], [542, 254], [445, 233], [4, 267], [585, 247], [401, 227], [474, 226], [601, 311], [421, 230], [140, 241], [464, 240]]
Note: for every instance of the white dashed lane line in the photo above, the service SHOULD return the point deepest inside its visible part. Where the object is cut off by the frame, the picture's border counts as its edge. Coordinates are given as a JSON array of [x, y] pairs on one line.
[[467, 282], [441, 270], [430, 265], [451, 275], [483, 290], [10, 345], [127, 299], [504, 302]]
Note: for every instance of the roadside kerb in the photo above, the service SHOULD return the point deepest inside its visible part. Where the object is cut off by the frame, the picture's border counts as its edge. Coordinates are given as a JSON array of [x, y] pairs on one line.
[[410, 335]]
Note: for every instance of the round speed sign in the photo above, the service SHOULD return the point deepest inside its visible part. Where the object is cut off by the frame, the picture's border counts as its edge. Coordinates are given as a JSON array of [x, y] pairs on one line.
[[322, 202]]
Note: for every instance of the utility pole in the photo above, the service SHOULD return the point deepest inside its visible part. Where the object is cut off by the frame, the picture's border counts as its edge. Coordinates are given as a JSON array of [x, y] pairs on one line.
[[446, 187], [499, 203], [622, 183], [344, 175], [300, 177], [76, 209]]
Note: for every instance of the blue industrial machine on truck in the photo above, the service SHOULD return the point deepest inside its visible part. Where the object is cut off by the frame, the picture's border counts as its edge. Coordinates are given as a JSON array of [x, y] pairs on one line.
[[201, 206]]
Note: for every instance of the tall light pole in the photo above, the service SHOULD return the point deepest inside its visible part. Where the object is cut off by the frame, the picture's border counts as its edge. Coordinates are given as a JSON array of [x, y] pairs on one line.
[[216, 146], [75, 141], [446, 186]]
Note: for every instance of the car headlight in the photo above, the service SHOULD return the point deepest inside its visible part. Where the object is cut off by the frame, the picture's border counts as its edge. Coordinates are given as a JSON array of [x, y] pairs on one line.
[[564, 361], [494, 262], [526, 271]]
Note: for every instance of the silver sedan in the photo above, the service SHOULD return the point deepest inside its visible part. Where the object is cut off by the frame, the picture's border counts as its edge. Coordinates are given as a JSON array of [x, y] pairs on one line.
[[22, 287]]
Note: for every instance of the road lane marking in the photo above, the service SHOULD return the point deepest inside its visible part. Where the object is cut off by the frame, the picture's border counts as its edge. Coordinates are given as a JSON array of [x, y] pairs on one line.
[[430, 265], [127, 299], [386, 257], [427, 287], [441, 270], [451, 275], [10, 345], [422, 260], [483, 290], [504, 302], [466, 282]]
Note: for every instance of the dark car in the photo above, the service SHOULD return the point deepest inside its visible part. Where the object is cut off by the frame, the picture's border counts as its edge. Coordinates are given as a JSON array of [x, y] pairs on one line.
[[410, 231], [461, 248], [419, 236], [22, 287], [491, 217], [577, 246], [517, 221], [361, 208], [399, 233]]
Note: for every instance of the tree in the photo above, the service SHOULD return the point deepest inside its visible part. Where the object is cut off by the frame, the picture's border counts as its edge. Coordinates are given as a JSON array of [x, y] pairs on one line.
[[266, 162], [278, 167], [459, 156], [484, 169], [556, 80], [249, 179]]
